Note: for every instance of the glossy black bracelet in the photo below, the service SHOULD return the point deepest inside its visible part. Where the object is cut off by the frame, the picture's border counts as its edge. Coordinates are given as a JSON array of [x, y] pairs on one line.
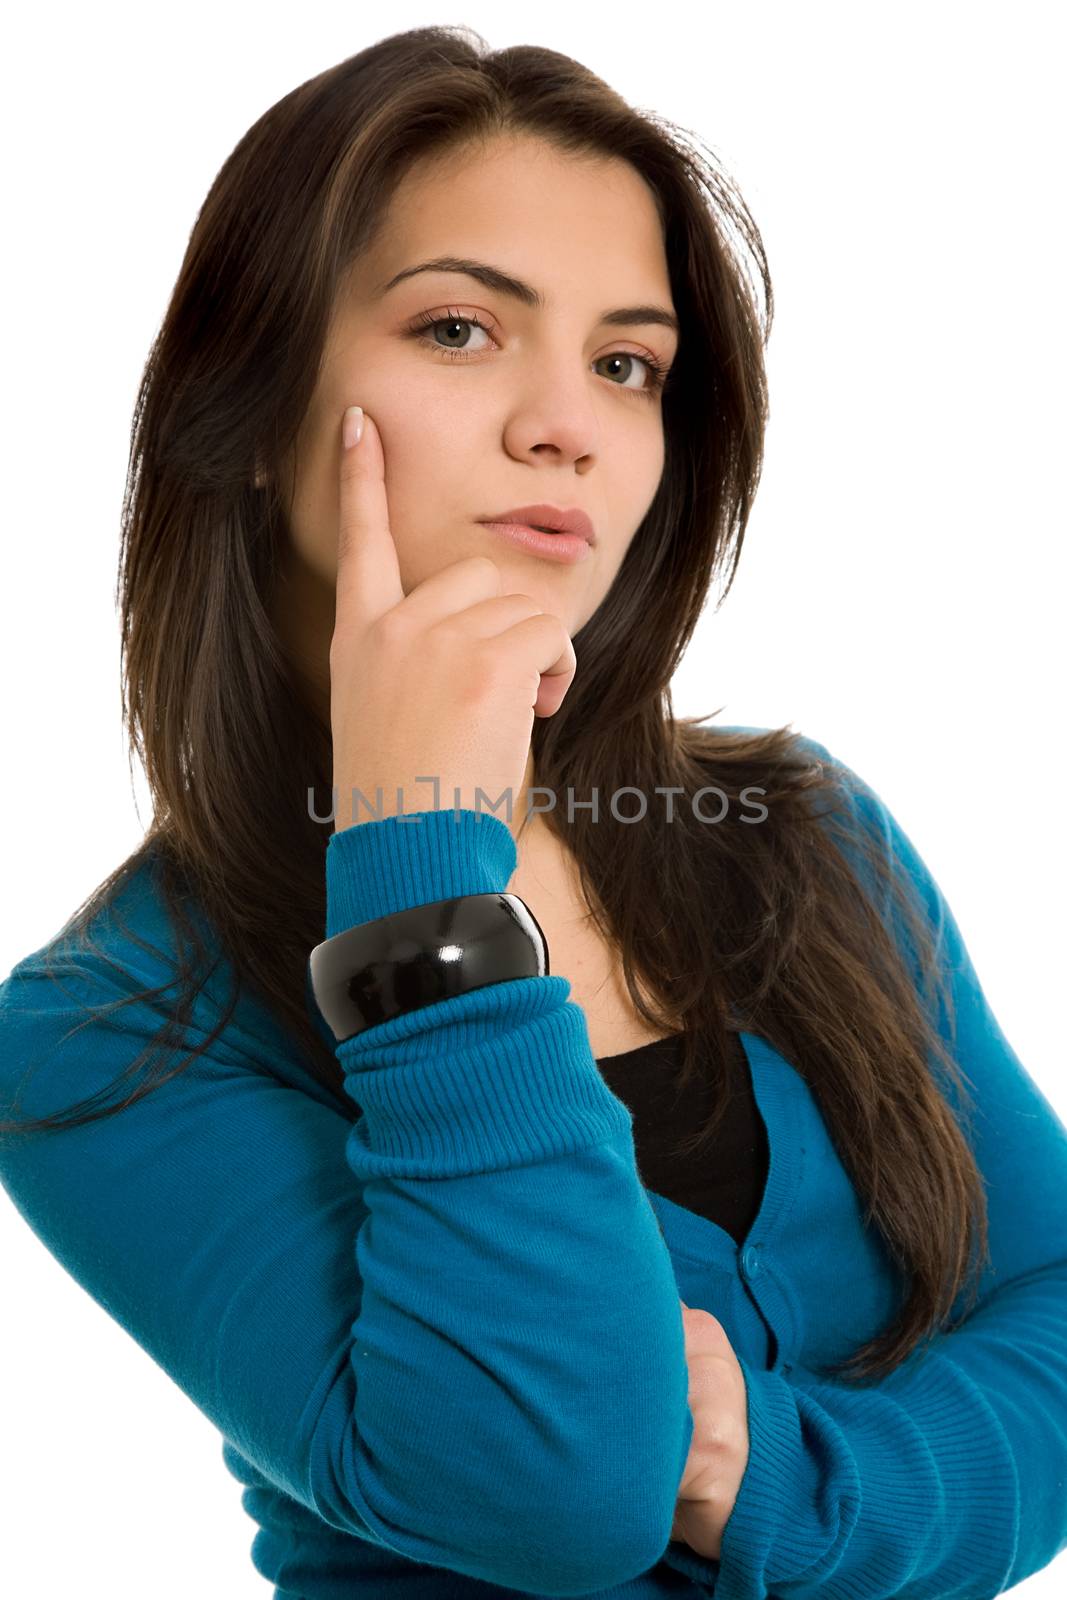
[[379, 970]]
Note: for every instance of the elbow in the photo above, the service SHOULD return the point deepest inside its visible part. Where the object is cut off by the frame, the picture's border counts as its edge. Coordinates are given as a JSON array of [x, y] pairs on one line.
[[578, 1532], [603, 1523], [571, 1500], [609, 1513], [563, 1555]]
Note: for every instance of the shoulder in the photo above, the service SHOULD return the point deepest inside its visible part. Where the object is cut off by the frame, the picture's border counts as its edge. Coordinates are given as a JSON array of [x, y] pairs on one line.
[[784, 745], [120, 968], [121, 929], [862, 823]]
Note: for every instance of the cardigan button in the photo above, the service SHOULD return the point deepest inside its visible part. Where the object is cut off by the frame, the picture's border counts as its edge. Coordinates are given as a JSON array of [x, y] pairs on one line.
[[750, 1261]]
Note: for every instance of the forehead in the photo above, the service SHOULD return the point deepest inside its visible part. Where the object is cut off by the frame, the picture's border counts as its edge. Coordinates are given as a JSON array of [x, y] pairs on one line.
[[574, 225]]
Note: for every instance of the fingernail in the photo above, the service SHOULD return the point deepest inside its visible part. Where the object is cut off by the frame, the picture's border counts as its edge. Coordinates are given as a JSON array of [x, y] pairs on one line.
[[352, 430]]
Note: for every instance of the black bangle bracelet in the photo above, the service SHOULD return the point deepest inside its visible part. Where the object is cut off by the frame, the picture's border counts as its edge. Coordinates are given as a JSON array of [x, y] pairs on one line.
[[379, 970]]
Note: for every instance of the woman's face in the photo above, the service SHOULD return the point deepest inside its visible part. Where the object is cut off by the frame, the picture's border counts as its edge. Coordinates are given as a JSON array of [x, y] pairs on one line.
[[549, 402]]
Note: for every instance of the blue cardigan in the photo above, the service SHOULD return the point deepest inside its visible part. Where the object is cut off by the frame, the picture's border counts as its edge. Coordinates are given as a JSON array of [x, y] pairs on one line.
[[442, 1340]]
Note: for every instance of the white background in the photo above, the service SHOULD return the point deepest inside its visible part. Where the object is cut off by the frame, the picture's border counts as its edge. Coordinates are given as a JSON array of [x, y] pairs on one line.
[[898, 595]]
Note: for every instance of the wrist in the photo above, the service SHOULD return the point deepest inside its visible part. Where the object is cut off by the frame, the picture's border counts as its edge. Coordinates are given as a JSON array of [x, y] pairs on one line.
[[390, 864]]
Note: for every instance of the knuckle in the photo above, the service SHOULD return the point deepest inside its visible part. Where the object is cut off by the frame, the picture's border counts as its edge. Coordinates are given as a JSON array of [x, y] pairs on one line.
[[703, 1385], [478, 684], [714, 1434], [486, 571], [447, 634], [495, 665], [391, 629], [341, 645], [485, 656]]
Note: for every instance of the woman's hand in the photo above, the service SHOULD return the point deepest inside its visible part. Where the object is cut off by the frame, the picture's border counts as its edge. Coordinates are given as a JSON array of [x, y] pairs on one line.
[[441, 683], [718, 1451]]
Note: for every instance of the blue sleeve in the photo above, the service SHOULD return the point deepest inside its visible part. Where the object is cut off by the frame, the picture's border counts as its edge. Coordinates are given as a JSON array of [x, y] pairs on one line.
[[948, 1478], [450, 1327]]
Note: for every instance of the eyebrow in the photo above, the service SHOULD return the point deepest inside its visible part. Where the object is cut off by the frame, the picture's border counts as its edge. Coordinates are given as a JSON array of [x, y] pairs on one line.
[[504, 283]]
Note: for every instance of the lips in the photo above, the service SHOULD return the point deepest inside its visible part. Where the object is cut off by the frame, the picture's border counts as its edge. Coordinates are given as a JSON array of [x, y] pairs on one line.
[[549, 519]]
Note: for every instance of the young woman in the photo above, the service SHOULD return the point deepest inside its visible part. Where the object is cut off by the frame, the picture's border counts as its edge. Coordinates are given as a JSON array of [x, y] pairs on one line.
[[600, 1208]]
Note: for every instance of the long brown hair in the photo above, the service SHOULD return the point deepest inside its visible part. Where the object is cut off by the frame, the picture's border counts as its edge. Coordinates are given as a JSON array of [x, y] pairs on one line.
[[772, 928]]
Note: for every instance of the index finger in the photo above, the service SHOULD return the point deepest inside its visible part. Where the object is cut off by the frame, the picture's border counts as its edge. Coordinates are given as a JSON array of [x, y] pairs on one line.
[[368, 571]]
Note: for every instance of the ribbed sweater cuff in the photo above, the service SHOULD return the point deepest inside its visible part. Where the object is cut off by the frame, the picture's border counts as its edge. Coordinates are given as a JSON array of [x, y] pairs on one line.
[[513, 1082], [838, 1500], [777, 1528], [497, 1077], [375, 868]]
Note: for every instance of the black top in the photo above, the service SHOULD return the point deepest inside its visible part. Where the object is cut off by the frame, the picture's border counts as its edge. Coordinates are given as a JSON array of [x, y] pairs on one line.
[[725, 1180]]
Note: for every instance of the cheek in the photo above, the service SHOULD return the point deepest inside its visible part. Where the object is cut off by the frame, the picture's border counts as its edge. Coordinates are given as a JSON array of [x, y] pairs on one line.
[[427, 443], [649, 469], [313, 522], [433, 482]]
